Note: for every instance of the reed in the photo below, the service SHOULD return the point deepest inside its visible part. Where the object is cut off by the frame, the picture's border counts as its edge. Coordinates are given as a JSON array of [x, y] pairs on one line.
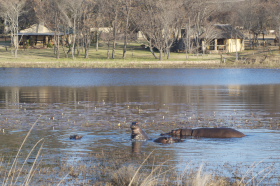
[[160, 175], [16, 170], [251, 177]]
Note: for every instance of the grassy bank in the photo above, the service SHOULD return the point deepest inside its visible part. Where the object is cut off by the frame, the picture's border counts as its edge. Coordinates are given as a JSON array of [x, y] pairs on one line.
[[136, 57]]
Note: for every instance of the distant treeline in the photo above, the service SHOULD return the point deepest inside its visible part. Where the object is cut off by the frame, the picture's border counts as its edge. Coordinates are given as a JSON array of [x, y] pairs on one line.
[[161, 22]]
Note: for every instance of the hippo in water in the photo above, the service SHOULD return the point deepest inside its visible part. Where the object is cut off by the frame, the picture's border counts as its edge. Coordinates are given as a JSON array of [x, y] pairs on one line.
[[75, 137], [207, 133], [137, 133], [167, 140]]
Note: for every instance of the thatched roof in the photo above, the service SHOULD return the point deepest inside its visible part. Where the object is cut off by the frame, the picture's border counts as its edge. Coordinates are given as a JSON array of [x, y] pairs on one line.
[[37, 29], [223, 31]]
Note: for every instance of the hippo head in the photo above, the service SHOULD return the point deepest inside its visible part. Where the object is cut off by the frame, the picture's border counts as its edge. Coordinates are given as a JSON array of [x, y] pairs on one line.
[[135, 129], [170, 140], [75, 137], [134, 126], [166, 140], [137, 133], [176, 132]]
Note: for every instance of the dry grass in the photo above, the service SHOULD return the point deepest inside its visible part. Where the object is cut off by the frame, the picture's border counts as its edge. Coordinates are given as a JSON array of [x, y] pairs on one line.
[[18, 169], [130, 175], [138, 58]]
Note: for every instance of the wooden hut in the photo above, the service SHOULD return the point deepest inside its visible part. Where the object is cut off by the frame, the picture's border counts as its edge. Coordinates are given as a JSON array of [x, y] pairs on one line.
[[223, 38], [37, 35]]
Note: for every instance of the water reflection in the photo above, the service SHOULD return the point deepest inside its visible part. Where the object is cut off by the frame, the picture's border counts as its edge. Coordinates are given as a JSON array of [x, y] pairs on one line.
[[250, 98], [137, 146]]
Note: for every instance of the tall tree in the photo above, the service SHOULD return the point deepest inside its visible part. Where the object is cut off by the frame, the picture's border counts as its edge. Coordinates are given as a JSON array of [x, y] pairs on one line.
[[11, 11], [88, 17], [157, 21], [112, 18], [48, 13], [127, 6], [71, 11], [171, 20], [275, 15]]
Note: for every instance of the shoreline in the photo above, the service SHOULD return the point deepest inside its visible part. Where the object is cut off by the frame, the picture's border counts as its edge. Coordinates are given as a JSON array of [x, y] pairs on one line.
[[134, 64]]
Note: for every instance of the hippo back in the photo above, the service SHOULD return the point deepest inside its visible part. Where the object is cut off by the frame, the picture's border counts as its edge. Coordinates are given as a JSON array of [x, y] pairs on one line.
[[186, 132], [217, 133]]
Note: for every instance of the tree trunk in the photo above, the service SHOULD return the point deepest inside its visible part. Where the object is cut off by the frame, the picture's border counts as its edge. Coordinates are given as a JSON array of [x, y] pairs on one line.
[[168, 52], [279, 37], [87, 41], [126, 29], [115, 37], [108, 50], [56, 37], [97, 40], [160, 54], [73, 40], [57, 46], [124, 47], [63, 48], [15, 36]]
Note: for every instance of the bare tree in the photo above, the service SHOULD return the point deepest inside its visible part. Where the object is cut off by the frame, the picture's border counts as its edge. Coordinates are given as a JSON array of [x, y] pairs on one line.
[[201, 12], [187, 38], [98, 21], [49, 14], [127, 4], [170, 19], [111, 10], [209, 34], [157, 21], [197, 15], [275, 14], [71, 11], [87, 23], [11, 11]]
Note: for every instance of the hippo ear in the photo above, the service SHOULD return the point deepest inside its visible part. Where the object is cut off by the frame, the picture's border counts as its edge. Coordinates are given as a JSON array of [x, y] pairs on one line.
[[134, 123], [177, 131]]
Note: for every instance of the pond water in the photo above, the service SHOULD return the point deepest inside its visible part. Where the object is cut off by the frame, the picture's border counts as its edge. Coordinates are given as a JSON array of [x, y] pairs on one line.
[[100, 105]]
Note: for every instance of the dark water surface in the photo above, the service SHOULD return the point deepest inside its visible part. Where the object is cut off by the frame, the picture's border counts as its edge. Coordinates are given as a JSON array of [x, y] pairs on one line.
[[100, 104]]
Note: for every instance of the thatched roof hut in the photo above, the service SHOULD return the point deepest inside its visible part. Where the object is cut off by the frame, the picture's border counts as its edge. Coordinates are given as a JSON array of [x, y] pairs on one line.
[[36, 35], [223, 37], [224, 31], [36, 29]]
